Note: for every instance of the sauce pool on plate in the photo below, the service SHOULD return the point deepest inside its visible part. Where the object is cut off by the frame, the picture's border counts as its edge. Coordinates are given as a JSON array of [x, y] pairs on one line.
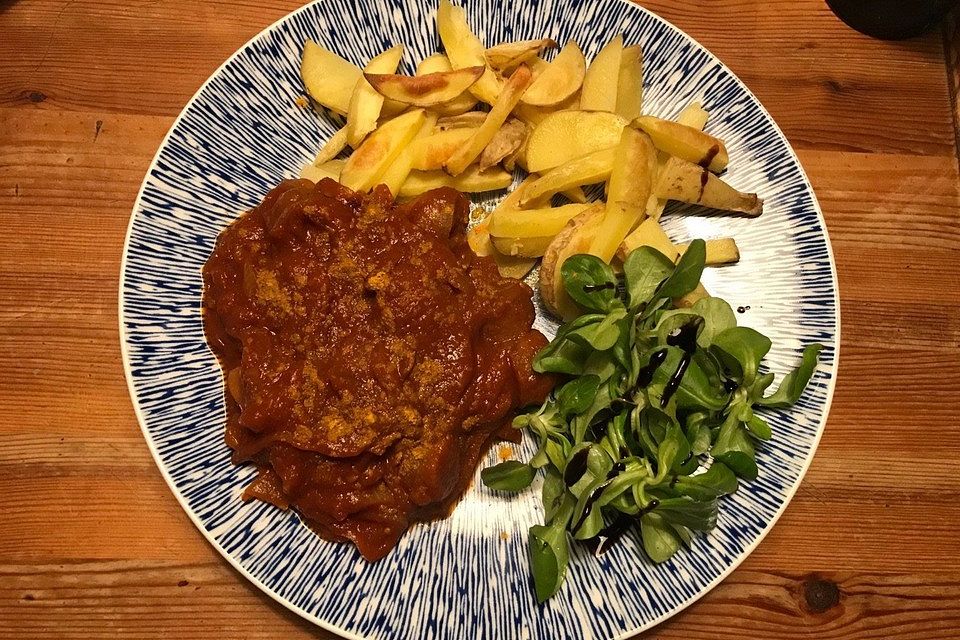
[[370, 357]]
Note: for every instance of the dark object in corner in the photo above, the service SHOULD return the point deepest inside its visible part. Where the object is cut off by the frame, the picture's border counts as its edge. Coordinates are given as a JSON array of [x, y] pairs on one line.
[[891, 19]]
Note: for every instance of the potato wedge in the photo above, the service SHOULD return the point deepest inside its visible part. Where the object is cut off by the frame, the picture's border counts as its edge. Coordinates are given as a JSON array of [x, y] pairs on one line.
[[574, 194], [428, 90], [720, 251], [630, 84], [398, 171], [366, 102], [631, 183], [534, 115], [512, 200], [464, 49], [693, 115], [329, 169], [508, 140], [512, 90], [328, 78], [432, 151], [649, 234], [509, 266], [470, 181], [470, 120], [566, 135], [509, 55], [560, 79], [691, 183], [523, 247], [392, 108], [462, 103], [332, 148], [685, 142], [368, 163], [575, 238], [600, 82], [691, 298], [533, 223], [588, 169]]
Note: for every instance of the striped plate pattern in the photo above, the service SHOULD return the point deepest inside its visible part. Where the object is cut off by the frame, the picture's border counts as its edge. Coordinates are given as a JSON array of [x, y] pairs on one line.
[[467, 576]]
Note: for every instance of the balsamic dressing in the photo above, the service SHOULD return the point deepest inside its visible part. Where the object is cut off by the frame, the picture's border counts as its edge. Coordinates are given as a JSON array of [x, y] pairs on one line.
[[576, 467], [591, 499], [709, 157], [609, 535], [686, 339], [743, 309], [704, 178], [645, 376]]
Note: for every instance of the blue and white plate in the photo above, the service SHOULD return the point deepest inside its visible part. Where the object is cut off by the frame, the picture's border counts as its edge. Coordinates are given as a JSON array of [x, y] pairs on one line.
[[467, 576]]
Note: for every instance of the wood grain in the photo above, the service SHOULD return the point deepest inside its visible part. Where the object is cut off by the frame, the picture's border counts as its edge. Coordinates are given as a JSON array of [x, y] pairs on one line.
[[92, 542]]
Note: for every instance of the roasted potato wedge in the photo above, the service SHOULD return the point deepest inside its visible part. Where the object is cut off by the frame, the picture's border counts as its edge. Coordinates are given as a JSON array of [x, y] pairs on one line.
[[566, 135], [508, 140], [511, 202], [332, 148], [691, 298], [533, 223], [513, 89], [426, 90], [329, 169], [588, 169], [630, 85], [631, 183], [470, 181], [328, 78], [464, 49], [368, 163], [560, 80], [522, 247], [575, 238], [366, 103], [509, 55], [600, 82], [720, 251], [398, 171], [509, 266], [691, 183], [686, 143], [693, 115], [649, 234], [534, 115], [432, 151], [470, 120], [574, 194], [459, 105]]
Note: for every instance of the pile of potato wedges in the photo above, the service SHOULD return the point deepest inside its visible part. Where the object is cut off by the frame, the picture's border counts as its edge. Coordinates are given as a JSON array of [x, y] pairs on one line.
[[470, 117]]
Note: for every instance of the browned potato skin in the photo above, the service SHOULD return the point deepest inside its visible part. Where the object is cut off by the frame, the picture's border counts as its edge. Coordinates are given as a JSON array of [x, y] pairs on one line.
[[575, 238], [427, 90]]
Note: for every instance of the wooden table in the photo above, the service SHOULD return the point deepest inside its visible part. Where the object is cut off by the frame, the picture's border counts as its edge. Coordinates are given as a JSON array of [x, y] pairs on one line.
[[93, 544]]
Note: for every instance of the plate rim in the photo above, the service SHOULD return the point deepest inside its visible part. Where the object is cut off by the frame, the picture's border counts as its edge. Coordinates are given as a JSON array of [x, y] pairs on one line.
[[349, 635]]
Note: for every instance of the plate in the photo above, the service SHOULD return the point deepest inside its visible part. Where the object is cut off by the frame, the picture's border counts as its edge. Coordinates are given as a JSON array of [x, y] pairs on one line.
[[466, 576]]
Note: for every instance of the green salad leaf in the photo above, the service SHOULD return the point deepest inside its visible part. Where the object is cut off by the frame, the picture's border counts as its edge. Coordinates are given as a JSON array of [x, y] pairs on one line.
[[659, 415]]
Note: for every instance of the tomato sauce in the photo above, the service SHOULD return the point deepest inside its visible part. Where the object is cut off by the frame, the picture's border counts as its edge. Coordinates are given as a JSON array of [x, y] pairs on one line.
[[370, 357]]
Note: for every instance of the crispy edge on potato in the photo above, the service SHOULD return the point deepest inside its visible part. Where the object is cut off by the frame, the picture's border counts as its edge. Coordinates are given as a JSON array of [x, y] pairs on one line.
[[427, 90]]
